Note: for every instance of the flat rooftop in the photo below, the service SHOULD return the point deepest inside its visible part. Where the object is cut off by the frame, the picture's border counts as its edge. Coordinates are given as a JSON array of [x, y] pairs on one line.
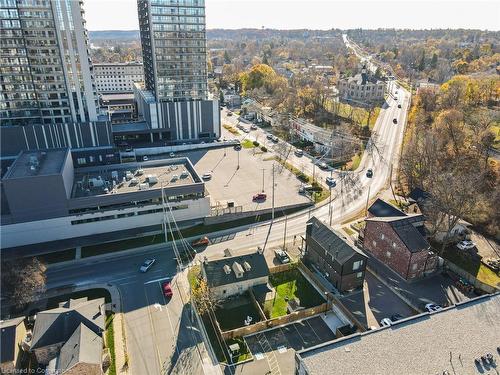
[[37, 163], [131, 177], [449, 340]]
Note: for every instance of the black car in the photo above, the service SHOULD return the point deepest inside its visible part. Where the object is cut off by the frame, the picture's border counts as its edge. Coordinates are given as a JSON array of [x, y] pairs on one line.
[[395, 121], [369, 173], [396, 317], [399, 105]]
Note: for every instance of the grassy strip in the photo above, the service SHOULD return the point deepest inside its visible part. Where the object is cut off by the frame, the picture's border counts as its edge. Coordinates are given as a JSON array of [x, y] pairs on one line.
[[197, 230], [110, 341], [348, 230], [231, 129], [247, 143], [58, 256]]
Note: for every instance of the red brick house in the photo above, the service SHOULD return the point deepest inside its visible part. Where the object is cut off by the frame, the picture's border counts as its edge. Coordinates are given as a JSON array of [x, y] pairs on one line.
[[399, 242]]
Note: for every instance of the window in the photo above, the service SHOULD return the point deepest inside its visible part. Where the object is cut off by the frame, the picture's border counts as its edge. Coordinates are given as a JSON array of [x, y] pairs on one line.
[[357, 265], [224, 291], [414, 266], [81, 161], [382, 236], [388, 254], [394, 245], [359, 275]]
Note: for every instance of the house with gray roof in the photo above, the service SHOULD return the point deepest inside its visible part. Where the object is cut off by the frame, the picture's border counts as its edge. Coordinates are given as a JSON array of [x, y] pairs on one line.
[[234, 275], [460, 339], [327, 252], [53, 328], [398, 240], [81, 354], [12, 334]]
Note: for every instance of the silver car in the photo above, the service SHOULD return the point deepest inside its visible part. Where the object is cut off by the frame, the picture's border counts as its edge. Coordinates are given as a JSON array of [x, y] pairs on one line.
[[148, 263]]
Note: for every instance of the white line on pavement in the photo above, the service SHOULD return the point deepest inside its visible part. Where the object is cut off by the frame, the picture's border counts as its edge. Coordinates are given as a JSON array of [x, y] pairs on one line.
[[157, 280]]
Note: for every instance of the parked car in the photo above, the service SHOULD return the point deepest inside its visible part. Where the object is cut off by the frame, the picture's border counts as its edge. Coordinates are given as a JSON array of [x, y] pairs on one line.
[[396, 317], [386, 322], [203, 241], [145, 158], [167, 289], [299, 152], [395, 98], [305, 188], [369, 173], [330, 181], [466, 245], [259, 197], [399, 105], [395, 120], [282, 256], [253, 127], [229, 113], [171, 154], [275, 139], [206, 176], [237, 147], [269, 136], [148, 263], [431, 307], [323, 165]]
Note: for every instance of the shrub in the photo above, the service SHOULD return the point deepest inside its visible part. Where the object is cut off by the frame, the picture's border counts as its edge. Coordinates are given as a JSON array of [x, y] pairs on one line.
[[263, 149], [256, 144]]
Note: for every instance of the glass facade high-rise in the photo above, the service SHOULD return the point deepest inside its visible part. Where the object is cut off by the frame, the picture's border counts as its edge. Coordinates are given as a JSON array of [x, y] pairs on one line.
[[174, 48], [45, 71]]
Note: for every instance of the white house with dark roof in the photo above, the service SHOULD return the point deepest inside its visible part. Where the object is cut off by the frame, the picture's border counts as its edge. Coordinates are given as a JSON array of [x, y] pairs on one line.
[[234, 275]]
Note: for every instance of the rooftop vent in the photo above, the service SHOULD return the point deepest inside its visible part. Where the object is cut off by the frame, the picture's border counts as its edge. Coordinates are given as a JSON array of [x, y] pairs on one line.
[[227, 269], [238, 270], [247, 266]]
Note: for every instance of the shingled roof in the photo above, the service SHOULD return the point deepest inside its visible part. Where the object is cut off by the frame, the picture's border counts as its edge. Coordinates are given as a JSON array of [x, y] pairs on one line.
[[331, 240], [57, 325], [8, 338], [381, 208], [222, 271]]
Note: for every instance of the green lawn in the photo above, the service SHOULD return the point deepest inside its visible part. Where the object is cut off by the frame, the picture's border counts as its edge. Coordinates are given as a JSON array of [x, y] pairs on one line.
[[354, 164], [58, 256], [289, 285], [110, 339], [244, 353]]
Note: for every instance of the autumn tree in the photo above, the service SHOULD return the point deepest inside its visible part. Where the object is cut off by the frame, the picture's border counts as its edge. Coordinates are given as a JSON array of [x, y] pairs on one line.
[[23, 280]]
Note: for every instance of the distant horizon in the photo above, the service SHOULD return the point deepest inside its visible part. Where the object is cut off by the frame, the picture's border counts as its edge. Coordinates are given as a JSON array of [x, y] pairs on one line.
[[356, 28], [321, 15]]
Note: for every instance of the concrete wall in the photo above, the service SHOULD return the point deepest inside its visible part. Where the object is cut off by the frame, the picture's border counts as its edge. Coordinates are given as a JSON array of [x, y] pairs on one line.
[[40, 231]]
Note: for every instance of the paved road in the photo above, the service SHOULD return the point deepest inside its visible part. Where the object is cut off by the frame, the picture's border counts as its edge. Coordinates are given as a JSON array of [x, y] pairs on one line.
[[158, 330]]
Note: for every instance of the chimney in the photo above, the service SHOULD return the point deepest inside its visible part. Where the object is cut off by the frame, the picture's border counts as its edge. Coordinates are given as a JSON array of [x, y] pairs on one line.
[[238, 270], [247, 266], [227, 269], [364, 76]]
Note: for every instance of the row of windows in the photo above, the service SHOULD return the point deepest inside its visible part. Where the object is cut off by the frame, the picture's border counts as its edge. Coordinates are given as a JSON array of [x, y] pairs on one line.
[[179, 19], [181, 27], [128, 214], [199, 3], [178, 10]]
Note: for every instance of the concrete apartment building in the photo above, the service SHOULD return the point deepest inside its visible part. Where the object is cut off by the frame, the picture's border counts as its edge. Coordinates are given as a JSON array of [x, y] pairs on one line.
[[362, 87], [174, 99], [46, 100], [43, 194], [117, 78]]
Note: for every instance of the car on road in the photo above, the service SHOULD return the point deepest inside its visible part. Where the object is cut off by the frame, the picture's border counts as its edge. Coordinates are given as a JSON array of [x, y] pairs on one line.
[[386, 322], [396, 93], [305, 188], [299, 152], [203, 241], [166, 288], [331, 181], [466, 245], [275, 139], [282, 256], [323, 165], [395, 120], [269, 136], [253, 127], [395, 98], [369, 173], [229, 113], [148, 263], [145, 158], [171, 154], [396, 317], [245, 130], [399, 105], [432, 307], [206, 176], [259, 197]]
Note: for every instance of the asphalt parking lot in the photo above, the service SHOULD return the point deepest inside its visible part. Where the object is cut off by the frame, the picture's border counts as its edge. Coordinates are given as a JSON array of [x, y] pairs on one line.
[[229, 182]]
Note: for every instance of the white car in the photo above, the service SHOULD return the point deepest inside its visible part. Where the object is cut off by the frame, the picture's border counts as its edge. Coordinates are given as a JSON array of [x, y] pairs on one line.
[[145, 158], [432, 307], [253, 127], [207, 176], [386, 322], [299, 152], [466, 245], [148, 263], [331, 181], [171, 154]]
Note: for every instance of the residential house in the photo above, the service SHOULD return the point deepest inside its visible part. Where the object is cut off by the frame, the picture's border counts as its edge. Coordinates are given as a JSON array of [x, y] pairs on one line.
[[234, 275], [398, 240], [12, 334], [53, 328], [81, 354], [327, 252]]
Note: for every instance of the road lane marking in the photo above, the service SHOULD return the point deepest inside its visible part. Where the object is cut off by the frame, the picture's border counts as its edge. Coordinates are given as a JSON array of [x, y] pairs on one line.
[[154, 331], [158, 280]]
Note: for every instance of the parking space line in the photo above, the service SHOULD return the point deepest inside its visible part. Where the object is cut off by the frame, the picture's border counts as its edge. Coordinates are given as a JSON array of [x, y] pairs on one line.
[[303, 341], [307, 321]]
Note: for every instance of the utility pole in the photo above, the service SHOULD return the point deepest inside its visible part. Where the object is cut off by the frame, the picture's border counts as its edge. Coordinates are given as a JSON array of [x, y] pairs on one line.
[[263, 170], [238, 153], [368, 199], [284, 235], [272, 211]]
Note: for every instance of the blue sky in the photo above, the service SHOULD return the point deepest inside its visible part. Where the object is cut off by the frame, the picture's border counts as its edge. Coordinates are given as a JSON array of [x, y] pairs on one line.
[[315, 14]]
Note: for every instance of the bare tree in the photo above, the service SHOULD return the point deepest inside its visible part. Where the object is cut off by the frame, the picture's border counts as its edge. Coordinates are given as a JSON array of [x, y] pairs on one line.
[[23, 280]]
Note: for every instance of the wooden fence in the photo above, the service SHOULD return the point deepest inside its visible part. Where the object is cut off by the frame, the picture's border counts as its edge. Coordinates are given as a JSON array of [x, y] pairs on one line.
[[270, 323], [471, 279]]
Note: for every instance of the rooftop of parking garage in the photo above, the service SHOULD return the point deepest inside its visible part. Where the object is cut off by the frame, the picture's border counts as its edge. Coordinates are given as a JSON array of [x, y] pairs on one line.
[[132, 177]]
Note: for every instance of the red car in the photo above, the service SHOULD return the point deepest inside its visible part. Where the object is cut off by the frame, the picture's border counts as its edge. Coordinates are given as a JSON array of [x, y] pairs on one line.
[[167, 289], [203, 241], [259, 197]]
